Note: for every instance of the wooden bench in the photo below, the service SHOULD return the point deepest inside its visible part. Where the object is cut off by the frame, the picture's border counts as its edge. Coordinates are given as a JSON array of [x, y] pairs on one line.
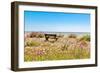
[[51, 36]]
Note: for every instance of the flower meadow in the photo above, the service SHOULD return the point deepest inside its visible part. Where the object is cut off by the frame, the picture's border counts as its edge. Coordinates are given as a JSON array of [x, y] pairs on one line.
[[64, 48]]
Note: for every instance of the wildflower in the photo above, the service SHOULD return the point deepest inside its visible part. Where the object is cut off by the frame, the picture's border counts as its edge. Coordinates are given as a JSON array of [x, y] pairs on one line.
[[40, 52]]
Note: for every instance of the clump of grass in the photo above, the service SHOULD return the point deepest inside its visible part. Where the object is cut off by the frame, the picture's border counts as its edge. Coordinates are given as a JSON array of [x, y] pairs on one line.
[[72, 36], [28, 58], [32, 43], [64, 47], [85, 38], [28, 55], [81, 53]]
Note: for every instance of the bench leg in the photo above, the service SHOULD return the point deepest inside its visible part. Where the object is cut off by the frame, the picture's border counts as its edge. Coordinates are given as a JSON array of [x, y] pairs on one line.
[[46, 39], [56, 39]]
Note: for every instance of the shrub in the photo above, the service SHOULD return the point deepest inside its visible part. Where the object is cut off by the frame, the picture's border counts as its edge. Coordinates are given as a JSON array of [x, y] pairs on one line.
[[85, 37], [60, 36], [33, 34], [72, 36], [40, 35], [36, 34]]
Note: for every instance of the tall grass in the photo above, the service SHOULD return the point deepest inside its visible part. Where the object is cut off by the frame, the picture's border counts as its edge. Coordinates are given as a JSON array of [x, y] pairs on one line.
[[54, 54], [37, 49]]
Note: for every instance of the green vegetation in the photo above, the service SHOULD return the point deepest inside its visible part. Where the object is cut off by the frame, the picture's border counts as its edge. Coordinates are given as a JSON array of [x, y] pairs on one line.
[[32, 43], [85, 37]]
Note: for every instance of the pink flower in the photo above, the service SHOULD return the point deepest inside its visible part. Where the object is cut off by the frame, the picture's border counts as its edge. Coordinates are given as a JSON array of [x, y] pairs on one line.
[[39, 52]]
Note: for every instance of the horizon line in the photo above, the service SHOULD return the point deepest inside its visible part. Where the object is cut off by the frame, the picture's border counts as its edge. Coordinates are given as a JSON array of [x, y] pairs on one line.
[[50, 31]]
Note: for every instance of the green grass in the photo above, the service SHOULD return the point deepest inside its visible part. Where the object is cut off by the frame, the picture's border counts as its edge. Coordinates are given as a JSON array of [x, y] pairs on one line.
[[32, 43], [28, 58], [85, 37]]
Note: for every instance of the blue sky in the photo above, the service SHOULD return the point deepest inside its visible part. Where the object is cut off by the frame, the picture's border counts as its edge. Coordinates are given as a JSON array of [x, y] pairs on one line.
[[56, 21]]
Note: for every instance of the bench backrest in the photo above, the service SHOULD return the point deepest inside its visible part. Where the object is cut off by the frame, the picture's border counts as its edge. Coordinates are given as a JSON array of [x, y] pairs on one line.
[[50, 35]]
